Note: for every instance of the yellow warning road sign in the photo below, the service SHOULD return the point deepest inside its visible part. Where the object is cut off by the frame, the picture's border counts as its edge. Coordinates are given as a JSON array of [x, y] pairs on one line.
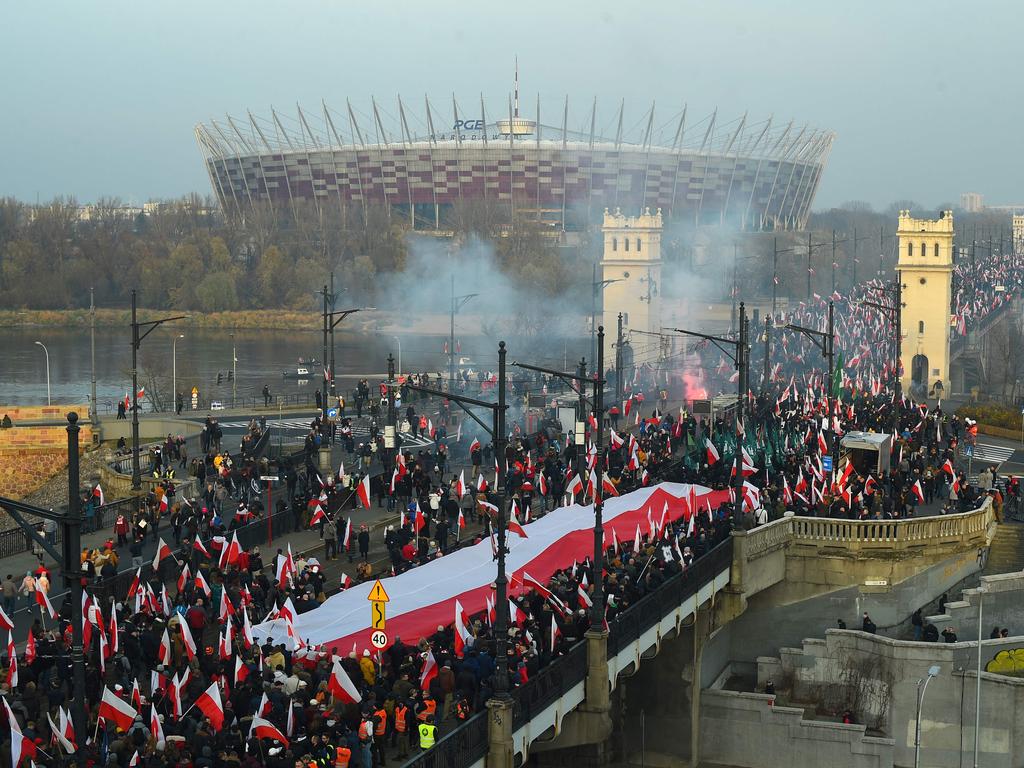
[[377, 594], [378, 615]]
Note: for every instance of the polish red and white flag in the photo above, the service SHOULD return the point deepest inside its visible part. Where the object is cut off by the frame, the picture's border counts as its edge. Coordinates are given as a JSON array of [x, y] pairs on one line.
[[162, 551], [340, 685], [363, 491], [429, 671], [210, 705], [264, 729], [115, 710]]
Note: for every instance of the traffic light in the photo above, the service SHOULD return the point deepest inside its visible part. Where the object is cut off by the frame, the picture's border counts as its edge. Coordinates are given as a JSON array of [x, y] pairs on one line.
[[231, 375], [218, 377]]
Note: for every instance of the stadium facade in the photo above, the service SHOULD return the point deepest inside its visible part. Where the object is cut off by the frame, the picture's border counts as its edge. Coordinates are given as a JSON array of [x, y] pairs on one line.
[[756, 176]]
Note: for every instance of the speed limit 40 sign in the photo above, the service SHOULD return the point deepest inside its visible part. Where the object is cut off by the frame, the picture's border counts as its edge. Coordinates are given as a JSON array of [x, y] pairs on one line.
[[379, 639]]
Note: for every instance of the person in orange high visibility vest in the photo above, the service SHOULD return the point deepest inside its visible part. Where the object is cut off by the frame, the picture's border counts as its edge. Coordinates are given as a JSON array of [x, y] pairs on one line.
[[343, 756], [401, 732], [380, 720], [429, 707]]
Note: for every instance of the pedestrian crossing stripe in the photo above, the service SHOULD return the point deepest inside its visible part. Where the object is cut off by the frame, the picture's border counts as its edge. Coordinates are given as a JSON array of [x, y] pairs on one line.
[[990, 452], [359, 431]]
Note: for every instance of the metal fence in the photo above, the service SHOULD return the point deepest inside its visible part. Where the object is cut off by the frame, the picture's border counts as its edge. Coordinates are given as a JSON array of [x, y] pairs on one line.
[[649, 610], [548, 685], [248, 402], [458, 748], [14, 541], [468, 742]]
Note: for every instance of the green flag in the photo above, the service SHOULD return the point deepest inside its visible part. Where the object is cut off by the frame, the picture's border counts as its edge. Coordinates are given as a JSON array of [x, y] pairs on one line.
[[837, 376]]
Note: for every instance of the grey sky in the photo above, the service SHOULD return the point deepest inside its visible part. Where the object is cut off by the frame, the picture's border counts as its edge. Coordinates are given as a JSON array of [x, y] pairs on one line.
[[100, 98]]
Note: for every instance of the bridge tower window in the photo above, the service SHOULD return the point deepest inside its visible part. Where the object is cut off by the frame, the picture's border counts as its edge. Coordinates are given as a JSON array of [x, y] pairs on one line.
[[920, 326], [638, 245], [625, 242], [615, 243], [910, 249], [936, 250]]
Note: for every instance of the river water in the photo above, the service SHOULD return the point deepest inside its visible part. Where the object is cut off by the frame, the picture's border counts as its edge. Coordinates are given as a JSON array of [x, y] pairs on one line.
[[262, 357]]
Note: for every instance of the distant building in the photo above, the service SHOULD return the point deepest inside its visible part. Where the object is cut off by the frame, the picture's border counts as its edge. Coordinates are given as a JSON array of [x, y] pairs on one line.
[[631, 269], [1018, 234], [926, 268], [972, 202]]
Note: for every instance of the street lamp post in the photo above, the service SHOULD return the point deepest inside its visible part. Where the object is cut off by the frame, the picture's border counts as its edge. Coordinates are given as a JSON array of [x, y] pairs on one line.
[[398, 341], [826, 342], [174, 371], [139, 332], [458, 302], [93, 410], [597, 606], [922, 686], [982, 591], [47, 353], [740, 354], [331, 320], [234, 371]]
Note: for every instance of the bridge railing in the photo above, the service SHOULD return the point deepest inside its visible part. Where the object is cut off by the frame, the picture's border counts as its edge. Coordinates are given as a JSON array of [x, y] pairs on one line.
[[965, 528], [649, 610]]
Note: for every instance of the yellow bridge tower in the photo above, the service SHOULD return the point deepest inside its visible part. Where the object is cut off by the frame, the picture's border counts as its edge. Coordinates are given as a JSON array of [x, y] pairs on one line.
[[925, 267]]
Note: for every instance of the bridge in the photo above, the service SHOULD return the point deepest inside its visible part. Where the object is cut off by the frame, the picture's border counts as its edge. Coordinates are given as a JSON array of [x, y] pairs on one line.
[[578, 709]]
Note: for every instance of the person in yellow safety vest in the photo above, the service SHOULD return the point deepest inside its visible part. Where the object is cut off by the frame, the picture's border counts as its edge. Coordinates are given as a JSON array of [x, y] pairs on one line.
[[401, 729], [428, 733], [344, 755]]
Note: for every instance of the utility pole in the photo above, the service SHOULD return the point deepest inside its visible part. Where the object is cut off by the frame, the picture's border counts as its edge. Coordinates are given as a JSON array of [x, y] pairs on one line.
[[597, 607], [93, 410], [332, 318], [501, 681], [500, 727], [451, 339], [740, 354], [834, 265], [458, 302], [881, 248], [136, 469], [832, 396], [333, 301], [854, 260], [390, 432], [735, 261], [137, 336], [809, 247], [580, 431], [775, 273], [72, 580], [618, 364], [68, 558], [825, 342], [896, 311], [767, 351], [323, 399]]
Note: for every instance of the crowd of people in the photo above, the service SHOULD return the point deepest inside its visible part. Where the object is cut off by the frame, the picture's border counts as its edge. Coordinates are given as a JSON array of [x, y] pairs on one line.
[[177, 678]]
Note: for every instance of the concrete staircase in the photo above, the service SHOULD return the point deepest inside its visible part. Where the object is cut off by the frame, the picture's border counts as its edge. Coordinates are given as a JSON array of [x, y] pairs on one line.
[[1007, 552]]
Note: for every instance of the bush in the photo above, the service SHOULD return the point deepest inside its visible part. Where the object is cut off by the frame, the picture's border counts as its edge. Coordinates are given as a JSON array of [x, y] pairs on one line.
[[992, 414]]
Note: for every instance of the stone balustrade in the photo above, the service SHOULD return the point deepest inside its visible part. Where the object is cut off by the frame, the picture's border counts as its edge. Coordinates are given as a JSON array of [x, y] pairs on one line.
[[815, 553]]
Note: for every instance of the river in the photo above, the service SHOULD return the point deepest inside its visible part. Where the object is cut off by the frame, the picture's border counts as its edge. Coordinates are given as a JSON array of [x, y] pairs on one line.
[[262, 357]]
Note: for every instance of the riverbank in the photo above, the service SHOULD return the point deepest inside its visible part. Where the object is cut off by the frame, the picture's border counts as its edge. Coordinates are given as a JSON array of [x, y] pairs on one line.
[[271, 319], [408, 320]]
